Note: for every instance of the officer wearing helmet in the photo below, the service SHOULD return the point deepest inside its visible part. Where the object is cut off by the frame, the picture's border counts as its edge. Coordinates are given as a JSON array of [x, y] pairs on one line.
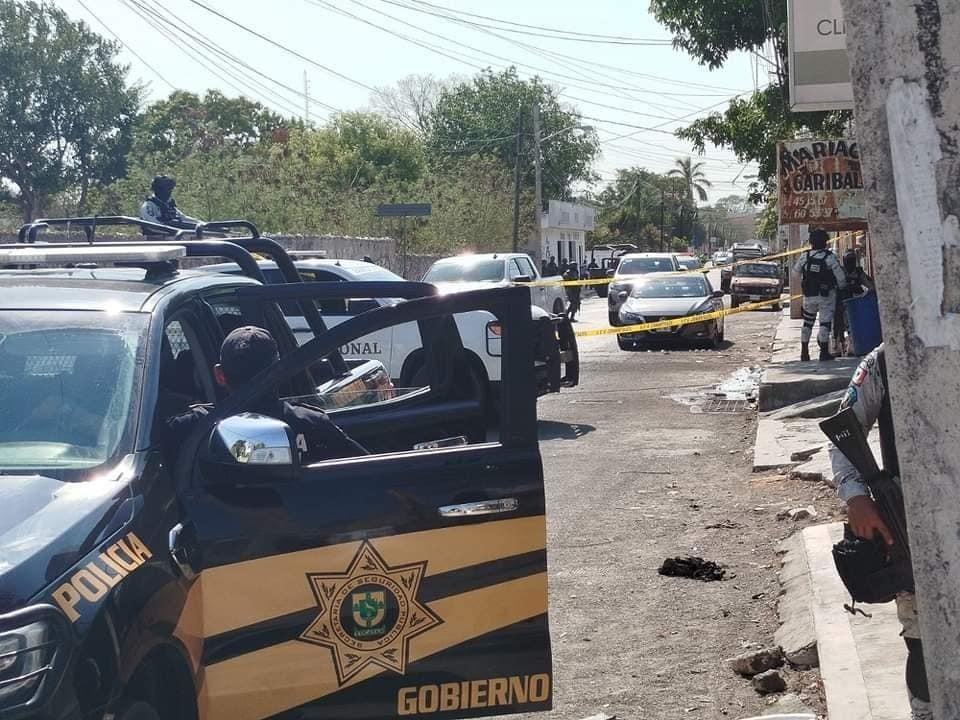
[[161, 208], [857, 280], [822, 276]]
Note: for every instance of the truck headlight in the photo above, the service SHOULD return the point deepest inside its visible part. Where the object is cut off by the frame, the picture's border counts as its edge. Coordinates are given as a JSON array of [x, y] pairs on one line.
[[26, 655]]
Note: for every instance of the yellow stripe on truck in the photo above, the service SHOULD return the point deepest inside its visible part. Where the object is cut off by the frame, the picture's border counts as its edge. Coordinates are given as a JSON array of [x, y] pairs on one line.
[[268, 681]]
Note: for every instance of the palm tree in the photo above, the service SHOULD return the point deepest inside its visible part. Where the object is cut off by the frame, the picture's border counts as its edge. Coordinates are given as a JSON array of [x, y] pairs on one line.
[[694, 179]]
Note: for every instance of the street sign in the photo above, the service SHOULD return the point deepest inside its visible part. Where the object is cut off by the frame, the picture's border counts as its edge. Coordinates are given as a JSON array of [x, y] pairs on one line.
[[404, 210], [820, 183], [817, 45]]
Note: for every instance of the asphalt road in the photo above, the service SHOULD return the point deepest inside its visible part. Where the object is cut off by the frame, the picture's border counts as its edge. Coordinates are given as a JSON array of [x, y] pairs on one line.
[[634, 476]]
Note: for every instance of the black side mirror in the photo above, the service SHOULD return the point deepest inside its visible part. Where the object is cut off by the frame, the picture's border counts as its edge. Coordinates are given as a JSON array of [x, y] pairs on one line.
[[523, 279], [717, 294]]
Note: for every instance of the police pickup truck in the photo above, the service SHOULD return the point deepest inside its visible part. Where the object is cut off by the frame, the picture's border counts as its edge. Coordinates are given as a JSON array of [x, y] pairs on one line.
[[229, 580], [474, 271], [400, 348]]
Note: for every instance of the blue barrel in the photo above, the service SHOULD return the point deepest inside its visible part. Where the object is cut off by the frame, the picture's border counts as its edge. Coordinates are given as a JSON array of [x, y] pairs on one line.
[[863, 316]]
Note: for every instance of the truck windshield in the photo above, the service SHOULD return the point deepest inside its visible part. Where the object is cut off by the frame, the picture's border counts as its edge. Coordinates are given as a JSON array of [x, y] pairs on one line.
[[466, 271], [641, 266], [67, 379], [757, 270]]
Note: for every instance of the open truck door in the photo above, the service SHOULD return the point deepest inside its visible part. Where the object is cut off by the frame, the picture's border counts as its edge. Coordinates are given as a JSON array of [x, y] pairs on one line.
[[408, 582]]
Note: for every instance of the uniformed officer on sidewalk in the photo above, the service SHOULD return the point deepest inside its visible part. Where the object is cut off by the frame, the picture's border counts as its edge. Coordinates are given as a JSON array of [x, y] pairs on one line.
[[246, 352], [822, 276], [868, 395], [161, 208]]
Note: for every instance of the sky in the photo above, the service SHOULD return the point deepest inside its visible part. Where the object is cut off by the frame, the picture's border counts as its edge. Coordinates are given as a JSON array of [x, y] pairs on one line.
[[629, 83]]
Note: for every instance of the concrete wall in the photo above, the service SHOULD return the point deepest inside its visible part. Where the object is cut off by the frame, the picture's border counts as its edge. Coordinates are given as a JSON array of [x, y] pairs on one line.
[[905, 65], [383, 251]]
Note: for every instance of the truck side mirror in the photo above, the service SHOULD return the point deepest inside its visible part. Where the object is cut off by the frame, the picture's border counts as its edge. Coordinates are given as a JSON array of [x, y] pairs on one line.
[[523, 279], [250, 439]]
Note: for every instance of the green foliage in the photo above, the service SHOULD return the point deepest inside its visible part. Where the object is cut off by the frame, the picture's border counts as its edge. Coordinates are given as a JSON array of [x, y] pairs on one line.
[[694, 179], [630, 209], [709, 30], [483, 114], [66, 107]]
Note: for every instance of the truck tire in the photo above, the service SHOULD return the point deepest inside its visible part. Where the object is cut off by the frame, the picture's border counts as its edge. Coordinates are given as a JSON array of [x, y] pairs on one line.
[[734, 301], [558, 308], [613, 318]]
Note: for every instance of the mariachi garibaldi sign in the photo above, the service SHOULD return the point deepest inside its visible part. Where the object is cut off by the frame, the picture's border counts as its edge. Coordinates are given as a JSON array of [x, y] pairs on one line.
[[820, 182]]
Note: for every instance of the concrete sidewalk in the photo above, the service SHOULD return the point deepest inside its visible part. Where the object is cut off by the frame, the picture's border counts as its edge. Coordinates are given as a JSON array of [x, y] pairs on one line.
[[787, 380], [861, 658]]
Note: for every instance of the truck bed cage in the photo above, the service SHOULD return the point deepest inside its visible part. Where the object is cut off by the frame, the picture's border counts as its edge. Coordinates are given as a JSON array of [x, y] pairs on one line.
[[238, 249]]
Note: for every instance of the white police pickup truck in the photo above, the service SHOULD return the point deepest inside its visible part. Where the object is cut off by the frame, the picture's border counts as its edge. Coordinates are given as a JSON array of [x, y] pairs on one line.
[[473, 272], [400, 347]]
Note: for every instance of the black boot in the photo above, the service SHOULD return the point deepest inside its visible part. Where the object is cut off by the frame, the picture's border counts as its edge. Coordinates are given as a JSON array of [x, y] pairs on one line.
[[804, 351], [825, 351]]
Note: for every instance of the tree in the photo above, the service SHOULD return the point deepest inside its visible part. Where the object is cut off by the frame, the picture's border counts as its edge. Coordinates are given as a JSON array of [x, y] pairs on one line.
[[484, 115], [639, 207], [66, 107], [709, 30], [735, 205], [694, 179], [410, 102]]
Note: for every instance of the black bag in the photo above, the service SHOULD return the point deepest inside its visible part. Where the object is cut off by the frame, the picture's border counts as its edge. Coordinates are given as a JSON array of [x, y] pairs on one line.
[[869, 572]]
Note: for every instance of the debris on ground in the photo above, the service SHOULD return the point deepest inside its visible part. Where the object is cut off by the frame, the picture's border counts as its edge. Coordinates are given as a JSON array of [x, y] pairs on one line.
[[695, 568], [769, 682], [723, 525], [797, 514], [804, 455], [743, 384], [757, 661]]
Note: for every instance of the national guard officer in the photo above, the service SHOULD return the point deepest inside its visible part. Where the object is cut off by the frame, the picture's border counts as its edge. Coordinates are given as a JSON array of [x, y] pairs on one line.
[[246, 352], [822, 276], [161, 208], [869, 397]]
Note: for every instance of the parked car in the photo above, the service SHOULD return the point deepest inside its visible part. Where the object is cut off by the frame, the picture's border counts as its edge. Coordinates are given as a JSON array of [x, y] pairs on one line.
[[722, 257], [665, 297], [631, 267], [755, 281], [476, 271], [689, 262]]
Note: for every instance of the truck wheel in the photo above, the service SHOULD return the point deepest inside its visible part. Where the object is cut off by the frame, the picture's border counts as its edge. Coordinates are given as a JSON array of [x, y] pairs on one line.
[[558, 308], [734, 301], [137, 710], [625, 344], [613, 317]]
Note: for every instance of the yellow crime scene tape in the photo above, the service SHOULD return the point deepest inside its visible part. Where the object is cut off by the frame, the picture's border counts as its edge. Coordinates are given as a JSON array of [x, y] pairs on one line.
[[687, 320], [606, 281]]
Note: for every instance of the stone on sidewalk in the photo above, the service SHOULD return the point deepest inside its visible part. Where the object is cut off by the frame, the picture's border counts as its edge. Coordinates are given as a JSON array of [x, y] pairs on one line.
[[768, 682], [757, 661]]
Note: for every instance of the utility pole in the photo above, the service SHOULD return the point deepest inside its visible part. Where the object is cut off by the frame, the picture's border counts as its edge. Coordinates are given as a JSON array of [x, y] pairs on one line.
[[306, 98], [516, 181], [903, 68], [538, 180], [662, 209]]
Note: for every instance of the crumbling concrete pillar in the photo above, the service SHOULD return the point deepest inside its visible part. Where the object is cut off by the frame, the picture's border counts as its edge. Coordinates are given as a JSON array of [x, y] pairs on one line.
[[905, 65]]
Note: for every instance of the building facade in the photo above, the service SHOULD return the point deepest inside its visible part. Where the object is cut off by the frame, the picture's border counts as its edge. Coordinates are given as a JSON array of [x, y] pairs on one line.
[[563, 231]]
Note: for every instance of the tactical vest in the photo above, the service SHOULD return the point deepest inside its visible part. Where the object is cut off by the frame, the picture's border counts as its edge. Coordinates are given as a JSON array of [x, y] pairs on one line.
[[817, 277]]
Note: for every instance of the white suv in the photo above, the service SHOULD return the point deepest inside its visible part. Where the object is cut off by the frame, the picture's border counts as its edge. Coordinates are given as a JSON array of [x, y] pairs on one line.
[[631, 266]]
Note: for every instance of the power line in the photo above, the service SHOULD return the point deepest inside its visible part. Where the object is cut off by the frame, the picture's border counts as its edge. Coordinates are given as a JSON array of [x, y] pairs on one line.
[[127, 47], [545, 29], [220, 50], [242, 83], [266, 39]]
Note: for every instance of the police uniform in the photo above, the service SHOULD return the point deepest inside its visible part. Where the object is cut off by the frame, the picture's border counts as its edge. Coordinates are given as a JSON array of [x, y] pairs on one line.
[[867, 395], [317, 437], [822, 275], [156, 210]]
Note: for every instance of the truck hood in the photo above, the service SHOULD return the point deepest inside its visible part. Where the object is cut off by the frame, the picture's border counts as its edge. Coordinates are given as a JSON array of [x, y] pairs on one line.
[[47, 525], [662, 306], [756, 281], [445, 288]]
